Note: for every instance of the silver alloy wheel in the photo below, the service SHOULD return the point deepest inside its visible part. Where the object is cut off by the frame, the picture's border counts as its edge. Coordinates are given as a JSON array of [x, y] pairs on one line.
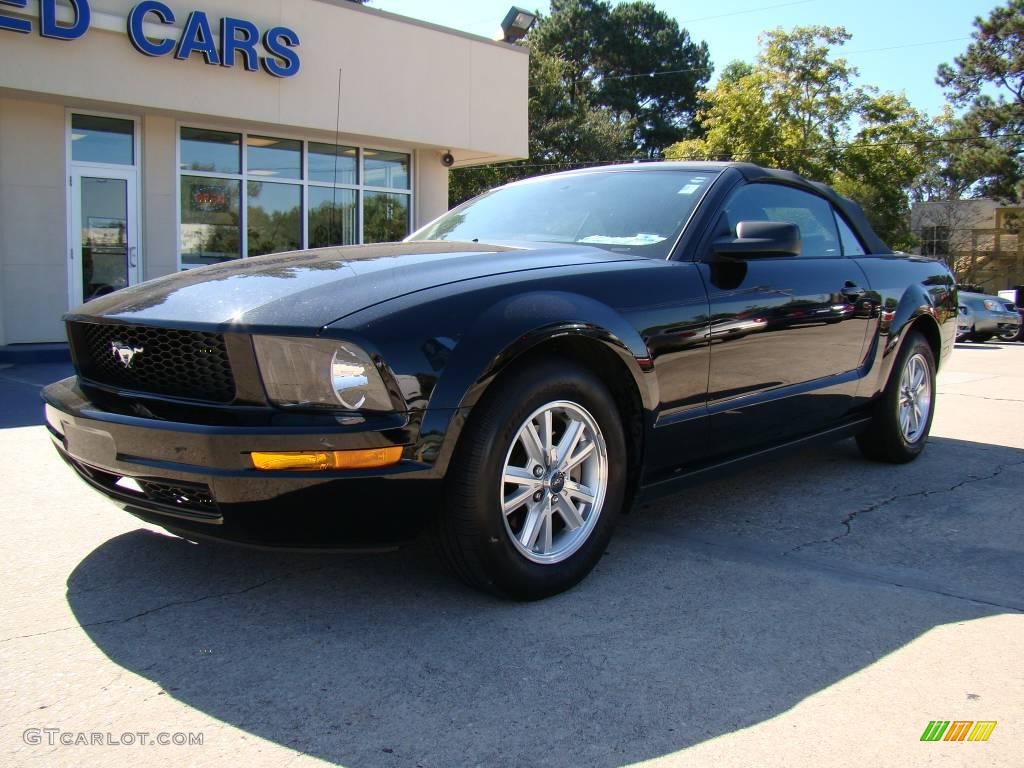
[[915, 398], [553, 482]]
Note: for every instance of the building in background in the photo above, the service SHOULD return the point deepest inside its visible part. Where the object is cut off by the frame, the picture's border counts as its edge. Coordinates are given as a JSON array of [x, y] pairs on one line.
[[979, 239], [141, 138]]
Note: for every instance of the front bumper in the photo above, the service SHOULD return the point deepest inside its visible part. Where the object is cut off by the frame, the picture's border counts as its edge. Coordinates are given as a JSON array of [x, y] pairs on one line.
[[995, 322], [199, 480]]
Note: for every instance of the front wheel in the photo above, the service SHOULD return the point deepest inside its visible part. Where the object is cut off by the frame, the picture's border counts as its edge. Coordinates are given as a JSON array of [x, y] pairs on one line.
[[536, 483], [899, 428], [1012, 335]]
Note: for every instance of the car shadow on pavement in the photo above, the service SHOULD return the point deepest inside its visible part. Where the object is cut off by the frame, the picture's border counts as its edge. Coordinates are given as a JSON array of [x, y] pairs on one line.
[[677, 637]]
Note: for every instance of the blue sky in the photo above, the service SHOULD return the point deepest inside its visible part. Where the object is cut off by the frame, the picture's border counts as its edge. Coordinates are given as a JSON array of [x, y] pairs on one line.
[[896, 45]]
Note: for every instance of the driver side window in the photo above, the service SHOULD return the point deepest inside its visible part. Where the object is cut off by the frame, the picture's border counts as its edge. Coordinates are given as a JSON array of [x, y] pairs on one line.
[[774, 202]]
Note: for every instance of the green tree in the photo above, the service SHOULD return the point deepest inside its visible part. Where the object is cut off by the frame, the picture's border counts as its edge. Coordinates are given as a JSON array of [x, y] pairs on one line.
[[649, 71], [798, 107], [562, 134], [988, 81], [592, 94]]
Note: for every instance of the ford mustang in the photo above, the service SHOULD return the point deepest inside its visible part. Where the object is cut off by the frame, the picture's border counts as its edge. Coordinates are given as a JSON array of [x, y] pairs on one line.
[[513, 376]]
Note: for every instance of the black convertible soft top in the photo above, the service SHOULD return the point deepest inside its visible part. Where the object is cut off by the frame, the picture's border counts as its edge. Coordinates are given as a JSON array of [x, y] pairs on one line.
[[853, 213]]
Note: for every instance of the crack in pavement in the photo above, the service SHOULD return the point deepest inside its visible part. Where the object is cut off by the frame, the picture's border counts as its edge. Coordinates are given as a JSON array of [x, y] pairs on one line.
[[172, 604], [982, 397], [847, 521]]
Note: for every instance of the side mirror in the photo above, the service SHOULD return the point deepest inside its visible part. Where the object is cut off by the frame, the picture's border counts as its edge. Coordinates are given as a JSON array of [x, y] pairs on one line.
[[761, 238]]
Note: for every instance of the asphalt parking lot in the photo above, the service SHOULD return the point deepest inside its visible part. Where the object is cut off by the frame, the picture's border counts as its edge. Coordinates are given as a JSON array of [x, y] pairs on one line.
[[816, 611]]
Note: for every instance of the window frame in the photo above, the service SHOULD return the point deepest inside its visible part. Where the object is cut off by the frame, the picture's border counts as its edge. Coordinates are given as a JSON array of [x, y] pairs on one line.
[[70, 165], [304, 183]]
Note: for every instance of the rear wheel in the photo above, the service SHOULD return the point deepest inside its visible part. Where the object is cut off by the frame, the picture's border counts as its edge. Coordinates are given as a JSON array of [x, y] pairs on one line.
[[899, 427], [536, 483]]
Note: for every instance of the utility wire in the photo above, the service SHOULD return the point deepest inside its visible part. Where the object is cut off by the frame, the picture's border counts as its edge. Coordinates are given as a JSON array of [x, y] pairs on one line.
[[838, 53], [754, 153], [746, 11]]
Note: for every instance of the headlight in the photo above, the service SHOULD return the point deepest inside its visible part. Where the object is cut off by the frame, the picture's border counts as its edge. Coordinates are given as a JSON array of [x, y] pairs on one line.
[[320, 373], [993, 306]]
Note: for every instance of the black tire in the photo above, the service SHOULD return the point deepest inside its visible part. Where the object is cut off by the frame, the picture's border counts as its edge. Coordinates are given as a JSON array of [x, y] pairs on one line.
[[1014, 335], [471, 530], [981, 337], [884, 439]]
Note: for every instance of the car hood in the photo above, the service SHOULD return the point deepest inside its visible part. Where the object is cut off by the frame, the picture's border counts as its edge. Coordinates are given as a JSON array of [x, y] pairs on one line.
[[311, 289]]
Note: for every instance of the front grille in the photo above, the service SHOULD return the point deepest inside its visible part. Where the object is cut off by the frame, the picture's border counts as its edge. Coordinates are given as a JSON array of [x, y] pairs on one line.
[[161, 361]]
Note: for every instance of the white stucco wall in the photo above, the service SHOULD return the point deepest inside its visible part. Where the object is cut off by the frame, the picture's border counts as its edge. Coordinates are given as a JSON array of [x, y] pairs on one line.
[[33, 215], [404, 86], [400, 81]]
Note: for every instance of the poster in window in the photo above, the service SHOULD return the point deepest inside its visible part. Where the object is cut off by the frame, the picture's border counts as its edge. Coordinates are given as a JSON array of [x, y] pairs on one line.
[[209, 198]]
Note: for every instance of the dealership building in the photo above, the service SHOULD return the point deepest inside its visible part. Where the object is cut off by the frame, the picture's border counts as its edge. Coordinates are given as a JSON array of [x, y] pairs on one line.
[[141, 138]]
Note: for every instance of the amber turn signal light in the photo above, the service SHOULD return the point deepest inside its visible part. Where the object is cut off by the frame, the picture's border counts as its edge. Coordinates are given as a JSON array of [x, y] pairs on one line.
[[321, 460]]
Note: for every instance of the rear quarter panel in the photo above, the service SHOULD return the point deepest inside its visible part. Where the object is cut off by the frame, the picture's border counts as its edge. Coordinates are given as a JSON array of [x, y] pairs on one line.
[[905, 290]]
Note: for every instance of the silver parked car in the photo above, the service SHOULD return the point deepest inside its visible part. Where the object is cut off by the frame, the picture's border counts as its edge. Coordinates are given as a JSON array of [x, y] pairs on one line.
[[983, 316]]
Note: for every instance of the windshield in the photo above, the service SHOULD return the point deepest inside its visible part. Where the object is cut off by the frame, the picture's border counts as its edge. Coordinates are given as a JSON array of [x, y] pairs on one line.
[[639, 212]]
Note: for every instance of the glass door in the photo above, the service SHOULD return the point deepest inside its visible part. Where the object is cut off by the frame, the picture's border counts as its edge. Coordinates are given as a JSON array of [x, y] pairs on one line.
[[104, 228]]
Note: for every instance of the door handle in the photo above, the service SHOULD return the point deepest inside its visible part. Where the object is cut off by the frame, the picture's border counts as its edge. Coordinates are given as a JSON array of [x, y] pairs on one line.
[[132, 256]]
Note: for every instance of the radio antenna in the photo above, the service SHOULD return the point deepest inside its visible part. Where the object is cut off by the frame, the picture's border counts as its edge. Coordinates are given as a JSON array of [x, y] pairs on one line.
[[337, 138]]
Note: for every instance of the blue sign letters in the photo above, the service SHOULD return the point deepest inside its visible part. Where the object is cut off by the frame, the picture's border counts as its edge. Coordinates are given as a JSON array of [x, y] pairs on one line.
[[238, 37], [48, 26], [24, 26], [135, 20]]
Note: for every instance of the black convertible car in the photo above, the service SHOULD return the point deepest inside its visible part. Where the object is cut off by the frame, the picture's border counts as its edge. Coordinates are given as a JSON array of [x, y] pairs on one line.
[[513, 375]]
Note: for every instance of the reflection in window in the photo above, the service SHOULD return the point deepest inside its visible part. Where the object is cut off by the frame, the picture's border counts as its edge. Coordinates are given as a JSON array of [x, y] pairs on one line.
[[819, 236], [385, 217], [385, 169], [209, 220], [291, 194], [210, 151], [102, 140], [333, 217], [851, 243], [331, 164], [281, 158], [274, 217]]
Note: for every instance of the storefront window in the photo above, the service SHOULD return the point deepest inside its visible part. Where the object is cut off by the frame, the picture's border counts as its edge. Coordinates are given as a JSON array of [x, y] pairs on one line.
[[106, 140], [210, 231], [386, 169], [385, 217], [331, 164], [333, 217], [210, 151], [285, 194], [274, 217], [274, 158]]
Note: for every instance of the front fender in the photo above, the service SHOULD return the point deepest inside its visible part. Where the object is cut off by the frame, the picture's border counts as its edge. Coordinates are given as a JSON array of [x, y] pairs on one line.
[[519, 323], [506, 331]]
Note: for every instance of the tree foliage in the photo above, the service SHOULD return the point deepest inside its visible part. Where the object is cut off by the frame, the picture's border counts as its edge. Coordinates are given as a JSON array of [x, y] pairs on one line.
[[988, 81], [798, 107], [562, 134], [592, 94]]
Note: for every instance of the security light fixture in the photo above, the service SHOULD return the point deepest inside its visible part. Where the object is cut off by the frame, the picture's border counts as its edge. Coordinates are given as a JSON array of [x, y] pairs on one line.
[[517, 23]]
